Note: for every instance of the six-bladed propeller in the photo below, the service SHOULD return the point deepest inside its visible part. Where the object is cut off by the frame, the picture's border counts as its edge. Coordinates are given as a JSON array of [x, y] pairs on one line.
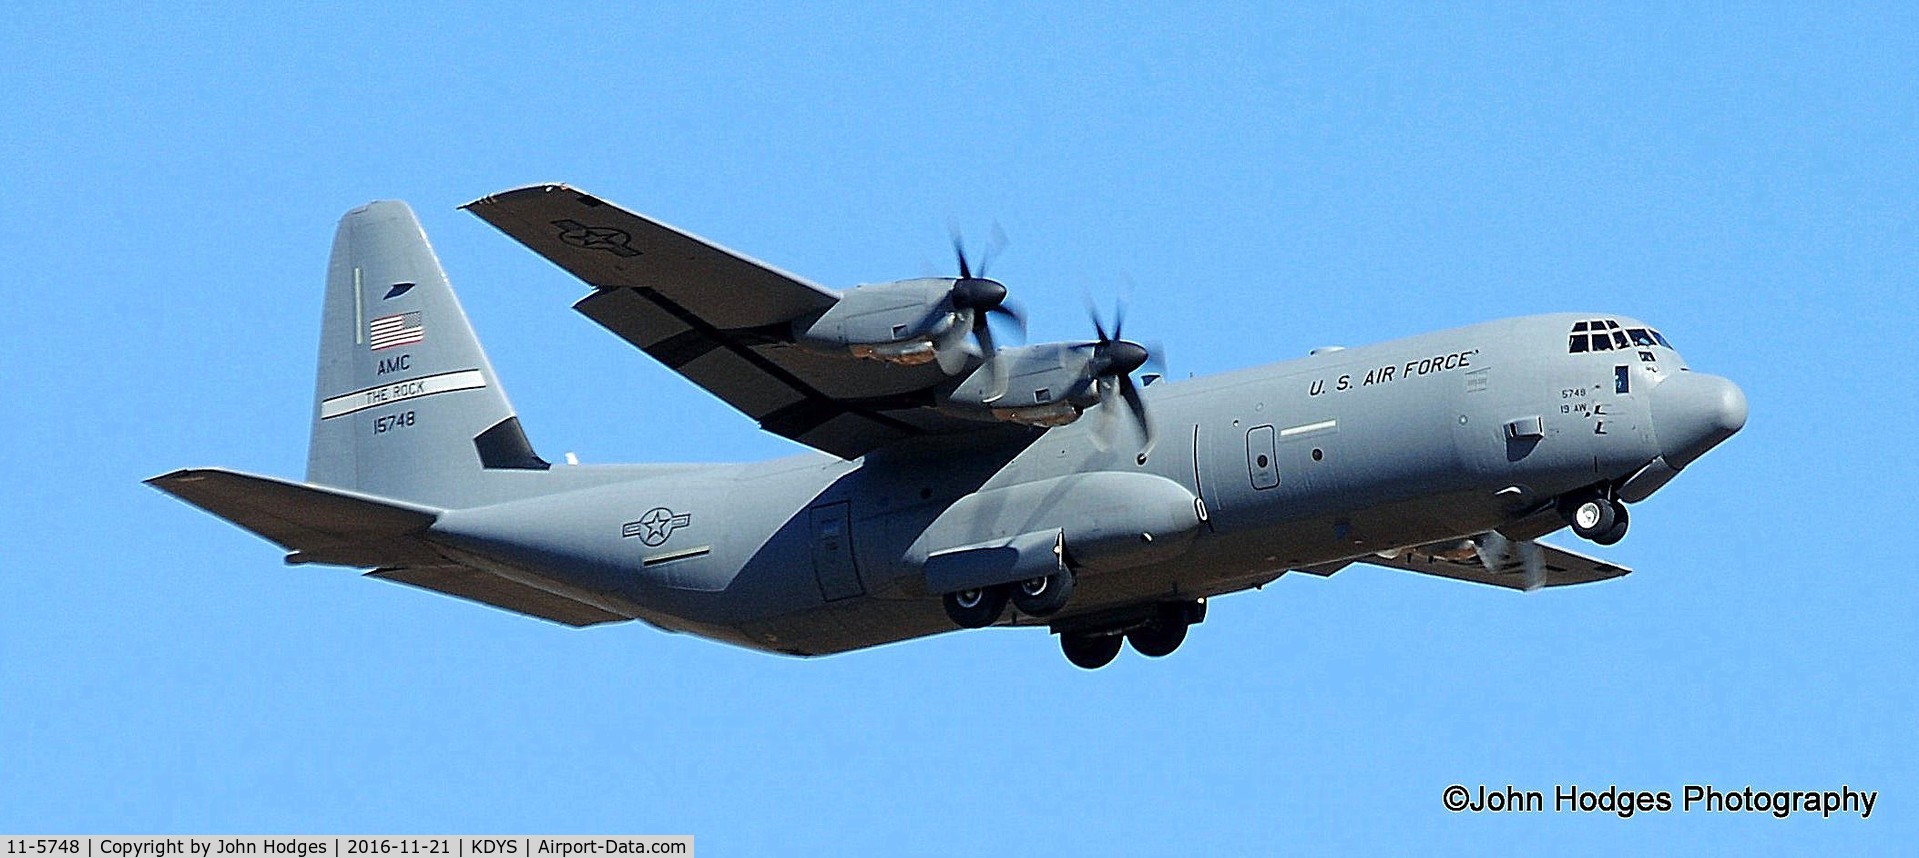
[[974, 298], [1112, 365], [1110, 362]]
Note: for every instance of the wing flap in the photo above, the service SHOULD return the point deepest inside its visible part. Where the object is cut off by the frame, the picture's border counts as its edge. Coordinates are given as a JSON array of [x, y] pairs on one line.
[[761, 376], [489, 589], [1457, 560]]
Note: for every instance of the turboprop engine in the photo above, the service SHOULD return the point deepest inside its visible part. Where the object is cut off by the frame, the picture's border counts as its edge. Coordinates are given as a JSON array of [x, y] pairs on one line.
[[1052, 384], [909, 322]]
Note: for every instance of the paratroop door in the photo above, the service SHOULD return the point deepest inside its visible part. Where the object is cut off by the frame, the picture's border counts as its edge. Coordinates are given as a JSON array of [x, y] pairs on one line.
[[833, 552]]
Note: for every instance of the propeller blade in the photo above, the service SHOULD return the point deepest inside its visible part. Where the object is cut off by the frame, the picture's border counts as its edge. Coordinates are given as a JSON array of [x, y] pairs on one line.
[[1137, 405], [996, 241], [1102, 434], [1155, 358], [1534, 559], [1014, 313], [1493, 549], [1496, 552], [989, 352], [959, 250], [946, 347], [1092, 312]]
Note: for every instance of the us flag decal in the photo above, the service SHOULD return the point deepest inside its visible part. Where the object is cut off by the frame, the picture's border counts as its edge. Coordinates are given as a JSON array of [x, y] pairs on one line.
[[400, 329]]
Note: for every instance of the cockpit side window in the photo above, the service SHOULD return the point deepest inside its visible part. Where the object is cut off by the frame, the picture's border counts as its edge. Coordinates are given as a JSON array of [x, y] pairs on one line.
[[1577, 327], [1661, 338], [1619, 338], [1578, 342], [1602, 343], [1641, 337]]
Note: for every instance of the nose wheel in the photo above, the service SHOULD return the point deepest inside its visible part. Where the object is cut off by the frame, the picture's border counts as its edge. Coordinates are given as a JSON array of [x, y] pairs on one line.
[[1618, 530], [1596, 517]]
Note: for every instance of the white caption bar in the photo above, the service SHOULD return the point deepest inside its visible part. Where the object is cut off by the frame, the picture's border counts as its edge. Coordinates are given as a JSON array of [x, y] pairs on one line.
[[343, 845], [400, 391]]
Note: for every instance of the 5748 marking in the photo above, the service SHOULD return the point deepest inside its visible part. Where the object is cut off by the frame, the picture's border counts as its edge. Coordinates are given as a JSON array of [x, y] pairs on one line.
[[390, 422]]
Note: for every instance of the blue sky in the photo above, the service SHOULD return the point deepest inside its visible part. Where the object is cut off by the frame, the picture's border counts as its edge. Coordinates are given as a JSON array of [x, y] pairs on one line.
[[1270, 179]]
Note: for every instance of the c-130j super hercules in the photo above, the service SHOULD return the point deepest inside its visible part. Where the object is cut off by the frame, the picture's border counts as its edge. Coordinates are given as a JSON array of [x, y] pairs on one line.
[[958, 483]]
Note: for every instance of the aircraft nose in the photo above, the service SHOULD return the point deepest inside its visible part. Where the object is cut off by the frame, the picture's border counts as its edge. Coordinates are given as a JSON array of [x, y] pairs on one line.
[[1692, 412]]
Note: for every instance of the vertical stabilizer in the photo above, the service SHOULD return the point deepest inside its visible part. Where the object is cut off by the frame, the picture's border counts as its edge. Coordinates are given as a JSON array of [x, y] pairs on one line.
[[406, 405]]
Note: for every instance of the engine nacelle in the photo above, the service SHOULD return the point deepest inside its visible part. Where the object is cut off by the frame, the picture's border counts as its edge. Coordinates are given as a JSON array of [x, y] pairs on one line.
[[893, 322], [1048, 384]]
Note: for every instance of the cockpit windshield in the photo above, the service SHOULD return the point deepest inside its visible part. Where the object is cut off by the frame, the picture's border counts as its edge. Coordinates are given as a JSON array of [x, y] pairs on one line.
[[1603, 335]]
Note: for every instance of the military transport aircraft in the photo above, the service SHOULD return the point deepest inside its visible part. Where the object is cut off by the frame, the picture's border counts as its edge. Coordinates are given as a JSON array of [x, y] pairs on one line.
[[958, 482]]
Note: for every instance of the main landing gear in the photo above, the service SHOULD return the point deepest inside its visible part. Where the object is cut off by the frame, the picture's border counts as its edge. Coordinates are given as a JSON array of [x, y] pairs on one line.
[[1034, 597], [1155, 635], [1595, 516]]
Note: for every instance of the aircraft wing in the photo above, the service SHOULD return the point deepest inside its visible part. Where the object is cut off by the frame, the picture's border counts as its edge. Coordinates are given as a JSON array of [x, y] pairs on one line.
[[722, 320], [1460, 562], [321, 524]]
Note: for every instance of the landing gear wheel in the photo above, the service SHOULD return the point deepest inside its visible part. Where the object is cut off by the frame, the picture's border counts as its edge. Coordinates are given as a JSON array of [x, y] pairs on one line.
[[975, 609], [1091, 652], [1590, 516], [1618, 529], [1159, 639], [1043, 596]]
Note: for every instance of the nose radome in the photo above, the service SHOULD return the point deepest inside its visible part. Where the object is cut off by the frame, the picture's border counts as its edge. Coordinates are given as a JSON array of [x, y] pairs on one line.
[[1692, 412]]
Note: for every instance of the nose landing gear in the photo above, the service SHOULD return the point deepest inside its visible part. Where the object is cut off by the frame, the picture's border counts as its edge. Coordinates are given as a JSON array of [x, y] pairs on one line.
[[1595, 516]]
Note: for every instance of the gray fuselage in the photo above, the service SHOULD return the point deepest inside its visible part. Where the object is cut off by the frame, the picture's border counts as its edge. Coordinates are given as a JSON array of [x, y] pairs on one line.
[[1291, 465]]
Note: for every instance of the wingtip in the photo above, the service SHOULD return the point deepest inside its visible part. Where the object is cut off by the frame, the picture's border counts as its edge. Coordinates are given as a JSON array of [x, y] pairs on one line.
[[183, 475], [522, 190]]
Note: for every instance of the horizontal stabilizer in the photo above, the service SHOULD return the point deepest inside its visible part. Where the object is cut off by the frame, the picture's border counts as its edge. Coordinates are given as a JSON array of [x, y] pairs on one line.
[[320, 524], [1459, 560], [317, 524]]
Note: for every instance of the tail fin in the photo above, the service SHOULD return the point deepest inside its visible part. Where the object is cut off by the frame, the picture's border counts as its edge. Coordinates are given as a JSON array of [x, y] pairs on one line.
[[406, 405]]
